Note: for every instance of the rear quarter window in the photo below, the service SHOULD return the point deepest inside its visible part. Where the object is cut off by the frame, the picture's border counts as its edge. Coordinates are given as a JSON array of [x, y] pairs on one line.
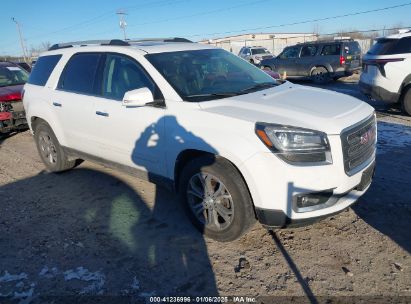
[[352, 48], [391, 46], [43, 69], [331, 49]]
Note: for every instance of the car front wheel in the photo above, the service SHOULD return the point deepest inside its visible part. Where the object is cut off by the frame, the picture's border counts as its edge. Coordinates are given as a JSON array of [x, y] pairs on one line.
[[216, 198], [406, 102]]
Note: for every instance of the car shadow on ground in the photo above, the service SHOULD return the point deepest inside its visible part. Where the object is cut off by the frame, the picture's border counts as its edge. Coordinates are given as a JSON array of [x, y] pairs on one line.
[[86, 232], [386, 206]]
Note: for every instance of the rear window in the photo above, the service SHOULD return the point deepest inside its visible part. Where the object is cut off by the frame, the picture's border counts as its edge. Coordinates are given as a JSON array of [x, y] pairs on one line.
[[352, 48], [331, 49], [43, 69], [80, 73], [391, 46]]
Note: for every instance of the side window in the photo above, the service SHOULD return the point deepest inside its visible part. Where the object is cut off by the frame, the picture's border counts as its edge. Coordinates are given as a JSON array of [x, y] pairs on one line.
[[289, 53], [331, 49], [308, 50], [402, 46], [43, 69], [79, 75], [122, 74]]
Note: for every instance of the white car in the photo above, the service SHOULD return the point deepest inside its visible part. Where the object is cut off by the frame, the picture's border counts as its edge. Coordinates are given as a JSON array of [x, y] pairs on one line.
[[236, 144], [387, 70], [255, 54]]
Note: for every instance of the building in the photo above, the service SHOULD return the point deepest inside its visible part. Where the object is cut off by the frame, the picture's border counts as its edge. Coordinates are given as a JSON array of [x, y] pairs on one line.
[[274, 42]]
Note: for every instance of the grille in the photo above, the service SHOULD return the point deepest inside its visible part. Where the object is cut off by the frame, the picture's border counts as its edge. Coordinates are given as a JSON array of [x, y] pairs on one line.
[[358, 144]]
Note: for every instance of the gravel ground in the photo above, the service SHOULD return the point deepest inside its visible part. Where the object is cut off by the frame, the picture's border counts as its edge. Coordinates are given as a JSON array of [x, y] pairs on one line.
[[95, 231]]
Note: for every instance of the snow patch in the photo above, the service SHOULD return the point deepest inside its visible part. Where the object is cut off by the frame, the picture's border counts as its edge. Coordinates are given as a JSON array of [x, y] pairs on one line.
[[136, 284], [84, 274], [48, 273], [7, 277], [392, 136]]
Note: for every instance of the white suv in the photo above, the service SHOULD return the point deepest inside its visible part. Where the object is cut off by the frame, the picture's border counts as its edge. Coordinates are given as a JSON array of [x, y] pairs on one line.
[[236, 144], [387, 70]]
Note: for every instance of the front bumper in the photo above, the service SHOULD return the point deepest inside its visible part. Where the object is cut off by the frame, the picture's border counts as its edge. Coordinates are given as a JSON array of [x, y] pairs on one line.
[[15, 121], [275, 185], [278, 219], [378, 93]]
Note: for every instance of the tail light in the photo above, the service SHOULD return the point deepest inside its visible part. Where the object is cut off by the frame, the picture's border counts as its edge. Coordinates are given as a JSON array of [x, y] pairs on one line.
[[380, 63], [10, 97], [342, 60]]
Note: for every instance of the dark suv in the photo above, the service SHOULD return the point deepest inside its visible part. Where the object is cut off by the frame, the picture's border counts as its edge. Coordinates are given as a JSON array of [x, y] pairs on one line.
[[320, 60]]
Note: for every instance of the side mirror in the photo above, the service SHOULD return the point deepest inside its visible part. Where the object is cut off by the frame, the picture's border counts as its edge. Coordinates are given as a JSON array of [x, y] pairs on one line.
[[137, 98]]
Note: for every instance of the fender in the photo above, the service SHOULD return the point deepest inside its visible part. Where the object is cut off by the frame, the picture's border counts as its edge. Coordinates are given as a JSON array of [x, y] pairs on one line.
[[40, 110], [405, 82]]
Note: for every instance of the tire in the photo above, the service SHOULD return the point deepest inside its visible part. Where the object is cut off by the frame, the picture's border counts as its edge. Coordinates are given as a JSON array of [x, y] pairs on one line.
[[320, 75], [50, 151], [231, 213], [268, 68], [406, 102], [251, 61]]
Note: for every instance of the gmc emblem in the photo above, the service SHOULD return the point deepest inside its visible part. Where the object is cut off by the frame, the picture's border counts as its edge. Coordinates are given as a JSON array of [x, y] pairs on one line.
[[367, 136]]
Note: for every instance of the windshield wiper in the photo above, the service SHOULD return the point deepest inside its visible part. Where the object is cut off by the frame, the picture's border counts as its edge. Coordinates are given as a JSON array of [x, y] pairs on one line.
[[259, 86], [223, 94]]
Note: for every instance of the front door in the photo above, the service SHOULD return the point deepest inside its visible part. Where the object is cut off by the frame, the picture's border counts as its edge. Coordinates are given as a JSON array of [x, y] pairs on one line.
[[286, 62], [131, 136]]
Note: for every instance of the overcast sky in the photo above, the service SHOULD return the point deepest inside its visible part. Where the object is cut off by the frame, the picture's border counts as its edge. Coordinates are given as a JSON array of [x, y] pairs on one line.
[[58, 21]]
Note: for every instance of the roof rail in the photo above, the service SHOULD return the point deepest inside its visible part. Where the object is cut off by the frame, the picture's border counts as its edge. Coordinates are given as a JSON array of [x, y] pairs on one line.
[[172, 39], [117, 42]]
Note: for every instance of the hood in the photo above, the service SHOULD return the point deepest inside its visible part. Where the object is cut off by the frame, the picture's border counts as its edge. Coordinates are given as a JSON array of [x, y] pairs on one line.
[[294, 105], [11, 93]]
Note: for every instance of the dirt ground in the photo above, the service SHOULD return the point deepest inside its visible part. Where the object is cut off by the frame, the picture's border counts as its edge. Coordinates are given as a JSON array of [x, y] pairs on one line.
[[95, 231]]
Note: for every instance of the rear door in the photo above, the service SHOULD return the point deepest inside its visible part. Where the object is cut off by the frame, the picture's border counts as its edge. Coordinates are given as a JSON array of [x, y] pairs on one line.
[[74, 98], [330, 55], [307, 59]]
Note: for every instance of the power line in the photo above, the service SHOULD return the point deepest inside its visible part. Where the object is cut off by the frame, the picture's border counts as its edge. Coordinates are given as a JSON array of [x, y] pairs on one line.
[[305, 21], [200, 14], [100, 18]]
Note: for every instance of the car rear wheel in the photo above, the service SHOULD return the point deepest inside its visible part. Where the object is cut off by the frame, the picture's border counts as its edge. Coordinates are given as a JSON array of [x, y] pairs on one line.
[[320, 75], [216, 198], [51, 153], [406, 102]]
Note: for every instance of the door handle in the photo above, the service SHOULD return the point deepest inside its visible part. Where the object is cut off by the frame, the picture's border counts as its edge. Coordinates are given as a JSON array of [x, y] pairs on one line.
[[57, 104], [102, 113]]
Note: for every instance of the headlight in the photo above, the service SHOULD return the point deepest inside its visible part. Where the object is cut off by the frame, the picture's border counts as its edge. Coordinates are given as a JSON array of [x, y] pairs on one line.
[[295, 145]]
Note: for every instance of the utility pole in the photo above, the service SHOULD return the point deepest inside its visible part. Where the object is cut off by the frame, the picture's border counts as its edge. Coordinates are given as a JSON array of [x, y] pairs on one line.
[[123, 23], [21, 38]]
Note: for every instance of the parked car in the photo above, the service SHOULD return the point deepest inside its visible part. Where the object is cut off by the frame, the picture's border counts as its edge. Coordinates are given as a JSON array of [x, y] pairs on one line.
[[24, 65], [12, 79], [254, 54], [321, 60], [387, 70], [235, 144]]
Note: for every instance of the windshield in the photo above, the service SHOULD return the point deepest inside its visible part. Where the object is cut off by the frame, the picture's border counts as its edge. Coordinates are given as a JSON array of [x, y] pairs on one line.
[[200, 75], [259, 51], [12, 75]]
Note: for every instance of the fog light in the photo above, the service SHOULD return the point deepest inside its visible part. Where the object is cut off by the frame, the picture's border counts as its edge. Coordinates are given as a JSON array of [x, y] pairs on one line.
[[312, 199]]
